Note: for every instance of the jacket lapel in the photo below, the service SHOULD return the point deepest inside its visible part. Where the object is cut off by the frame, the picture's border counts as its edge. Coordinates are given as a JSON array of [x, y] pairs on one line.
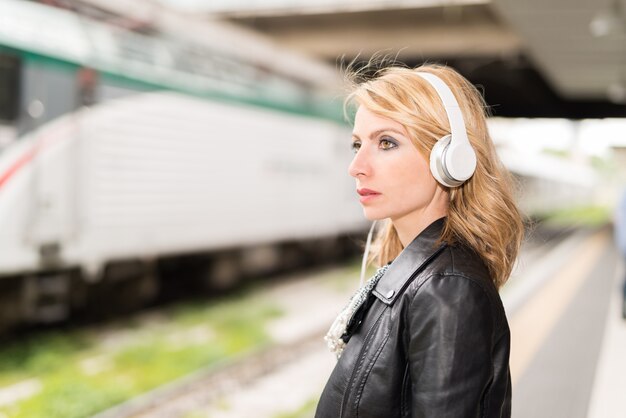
[[410, 262]]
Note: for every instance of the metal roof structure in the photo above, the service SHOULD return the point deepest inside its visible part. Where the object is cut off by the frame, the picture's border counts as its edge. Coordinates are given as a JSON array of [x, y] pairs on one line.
[[554, 58]]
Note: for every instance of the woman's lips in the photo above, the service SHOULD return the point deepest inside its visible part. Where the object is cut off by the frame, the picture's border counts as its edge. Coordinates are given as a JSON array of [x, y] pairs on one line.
[[367, 195]]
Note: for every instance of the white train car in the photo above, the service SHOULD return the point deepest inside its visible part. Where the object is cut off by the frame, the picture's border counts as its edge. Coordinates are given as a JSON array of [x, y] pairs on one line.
[[122, 152], [547, 183]]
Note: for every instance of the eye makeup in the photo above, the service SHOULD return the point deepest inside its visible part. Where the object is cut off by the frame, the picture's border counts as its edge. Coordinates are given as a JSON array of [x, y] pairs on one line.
[[385, 142]]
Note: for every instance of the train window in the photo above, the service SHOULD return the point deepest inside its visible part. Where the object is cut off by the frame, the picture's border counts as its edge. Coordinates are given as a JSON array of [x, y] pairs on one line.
[[9, 86], [87, 84]]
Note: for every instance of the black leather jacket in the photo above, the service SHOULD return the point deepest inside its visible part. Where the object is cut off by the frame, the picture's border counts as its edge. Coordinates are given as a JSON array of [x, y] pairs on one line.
[[434, 342]]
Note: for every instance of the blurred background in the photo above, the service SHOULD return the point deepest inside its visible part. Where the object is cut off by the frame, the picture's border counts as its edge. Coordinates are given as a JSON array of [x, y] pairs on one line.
[[178, 228]]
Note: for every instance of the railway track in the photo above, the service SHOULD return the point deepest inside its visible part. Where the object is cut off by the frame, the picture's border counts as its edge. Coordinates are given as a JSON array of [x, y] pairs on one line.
[[205, 386]]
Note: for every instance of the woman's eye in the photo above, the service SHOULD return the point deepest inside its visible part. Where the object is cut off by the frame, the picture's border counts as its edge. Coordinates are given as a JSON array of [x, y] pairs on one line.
[[355, 146], [387, 144]]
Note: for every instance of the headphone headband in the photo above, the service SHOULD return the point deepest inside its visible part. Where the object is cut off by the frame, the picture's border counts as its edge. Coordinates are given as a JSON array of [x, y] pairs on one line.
[[452, 159], [453, 111]]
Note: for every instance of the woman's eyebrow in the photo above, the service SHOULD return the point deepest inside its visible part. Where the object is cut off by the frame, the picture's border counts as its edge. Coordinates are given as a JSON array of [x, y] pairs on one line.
[[379, 131]]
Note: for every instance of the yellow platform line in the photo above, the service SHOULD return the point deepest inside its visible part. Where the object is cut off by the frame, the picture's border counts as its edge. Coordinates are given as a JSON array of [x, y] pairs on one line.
[[532, 324]]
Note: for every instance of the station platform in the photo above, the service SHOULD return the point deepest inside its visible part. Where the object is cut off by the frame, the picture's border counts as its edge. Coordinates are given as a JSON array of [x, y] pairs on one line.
[[568, 351], [564, 305]]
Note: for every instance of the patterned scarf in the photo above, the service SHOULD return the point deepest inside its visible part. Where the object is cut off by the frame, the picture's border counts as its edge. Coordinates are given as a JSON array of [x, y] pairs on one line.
[[337, 335]]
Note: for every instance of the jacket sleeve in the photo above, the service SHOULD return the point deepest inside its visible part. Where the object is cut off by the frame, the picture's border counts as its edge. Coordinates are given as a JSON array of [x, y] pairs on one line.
[[450, 337]]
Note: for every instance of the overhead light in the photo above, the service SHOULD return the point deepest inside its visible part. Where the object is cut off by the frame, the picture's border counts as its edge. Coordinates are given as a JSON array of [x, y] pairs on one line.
[[608, 20], [602, 24]]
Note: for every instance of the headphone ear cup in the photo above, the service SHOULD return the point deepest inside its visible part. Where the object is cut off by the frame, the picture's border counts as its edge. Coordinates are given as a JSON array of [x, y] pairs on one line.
[[459, 161], [437, 161], [451, 164]]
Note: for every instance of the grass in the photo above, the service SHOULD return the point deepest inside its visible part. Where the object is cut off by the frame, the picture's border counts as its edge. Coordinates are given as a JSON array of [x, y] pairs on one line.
[[577, 216], [84, 371]]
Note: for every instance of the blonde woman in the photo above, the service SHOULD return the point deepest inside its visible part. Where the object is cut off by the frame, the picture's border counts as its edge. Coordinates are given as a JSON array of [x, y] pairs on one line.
[[427, 335]]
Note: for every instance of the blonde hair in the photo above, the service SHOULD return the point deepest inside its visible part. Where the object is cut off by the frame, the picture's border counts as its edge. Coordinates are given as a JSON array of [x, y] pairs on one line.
[[481, 212]]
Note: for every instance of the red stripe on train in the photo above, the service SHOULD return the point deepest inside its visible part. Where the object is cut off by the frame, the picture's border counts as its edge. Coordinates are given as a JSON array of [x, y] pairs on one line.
[[25, 159], [56, 133]]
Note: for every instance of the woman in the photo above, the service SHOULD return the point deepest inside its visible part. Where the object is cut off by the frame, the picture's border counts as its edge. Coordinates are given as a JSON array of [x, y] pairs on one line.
[[427, 336]]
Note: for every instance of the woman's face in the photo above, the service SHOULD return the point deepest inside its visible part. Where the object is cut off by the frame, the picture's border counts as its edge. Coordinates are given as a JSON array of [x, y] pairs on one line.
[[393, 180]]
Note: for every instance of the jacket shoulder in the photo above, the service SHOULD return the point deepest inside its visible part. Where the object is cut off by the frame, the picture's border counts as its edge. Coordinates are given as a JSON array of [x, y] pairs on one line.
[[460, 262], [459, 274]]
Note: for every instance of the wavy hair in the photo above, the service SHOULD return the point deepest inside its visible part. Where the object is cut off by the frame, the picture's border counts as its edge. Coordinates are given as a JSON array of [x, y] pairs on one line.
[[482, 213]]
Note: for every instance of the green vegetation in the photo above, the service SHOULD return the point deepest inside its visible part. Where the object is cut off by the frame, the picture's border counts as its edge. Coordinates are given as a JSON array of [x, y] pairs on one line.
[[82, 372], [578, 216], [560, 153]]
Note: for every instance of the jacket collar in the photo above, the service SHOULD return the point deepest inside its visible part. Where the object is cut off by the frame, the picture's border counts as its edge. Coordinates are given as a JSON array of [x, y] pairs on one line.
[[410, 262]]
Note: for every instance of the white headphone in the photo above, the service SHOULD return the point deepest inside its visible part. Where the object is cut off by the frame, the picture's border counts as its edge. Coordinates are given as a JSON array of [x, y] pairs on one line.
[[452, 159]]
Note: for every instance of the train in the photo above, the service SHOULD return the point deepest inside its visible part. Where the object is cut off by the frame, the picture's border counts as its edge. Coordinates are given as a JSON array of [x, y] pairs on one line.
[[128, 155]]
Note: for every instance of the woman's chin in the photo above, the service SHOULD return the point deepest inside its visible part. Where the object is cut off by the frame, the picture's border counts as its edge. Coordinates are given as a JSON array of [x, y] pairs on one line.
[[371, 215]]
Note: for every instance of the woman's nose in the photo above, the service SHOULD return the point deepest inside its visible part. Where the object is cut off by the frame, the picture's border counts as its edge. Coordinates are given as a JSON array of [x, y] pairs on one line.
[[360, 164]]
